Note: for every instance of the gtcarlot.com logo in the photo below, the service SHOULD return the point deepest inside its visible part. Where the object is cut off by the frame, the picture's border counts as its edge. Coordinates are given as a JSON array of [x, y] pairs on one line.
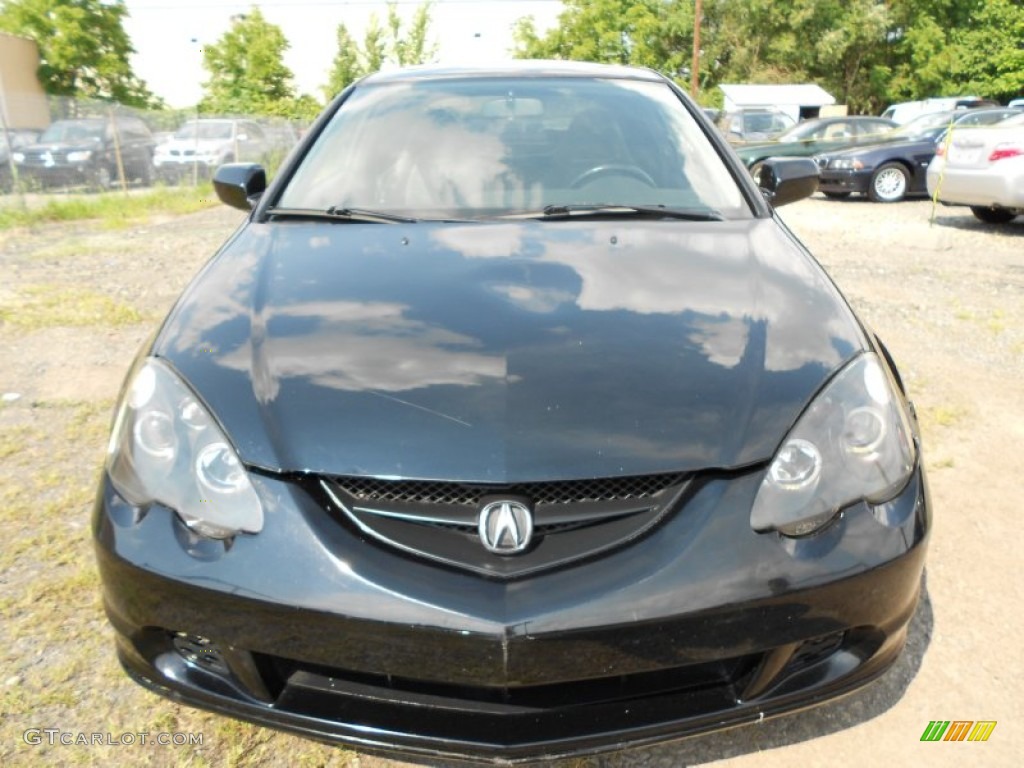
[[958, 730], [54, 736]]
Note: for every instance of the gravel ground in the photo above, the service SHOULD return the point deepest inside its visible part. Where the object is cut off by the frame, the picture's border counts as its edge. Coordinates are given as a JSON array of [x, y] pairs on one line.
[[947, 298]]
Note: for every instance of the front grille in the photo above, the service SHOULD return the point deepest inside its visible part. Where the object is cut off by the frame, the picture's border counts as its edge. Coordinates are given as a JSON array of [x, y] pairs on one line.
[[367, 489], [571, 519]]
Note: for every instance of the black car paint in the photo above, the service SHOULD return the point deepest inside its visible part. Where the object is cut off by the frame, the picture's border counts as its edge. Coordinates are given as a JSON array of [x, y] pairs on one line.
[[331, 635], [419, 658], [914, 156], [131, 150], [519, 341]]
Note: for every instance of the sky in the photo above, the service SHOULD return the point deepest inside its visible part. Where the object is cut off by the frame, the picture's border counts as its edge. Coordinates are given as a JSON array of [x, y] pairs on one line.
[[169, 35]]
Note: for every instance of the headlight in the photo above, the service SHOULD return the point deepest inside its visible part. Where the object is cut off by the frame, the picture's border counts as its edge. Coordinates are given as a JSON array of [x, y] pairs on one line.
[[19, 157], [845, 164], [853, 442], [166, 448], [81, 156]]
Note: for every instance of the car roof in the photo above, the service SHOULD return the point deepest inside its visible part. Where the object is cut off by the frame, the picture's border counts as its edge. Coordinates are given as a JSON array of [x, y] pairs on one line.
[[513, 68], [842, 119], [984, 110]]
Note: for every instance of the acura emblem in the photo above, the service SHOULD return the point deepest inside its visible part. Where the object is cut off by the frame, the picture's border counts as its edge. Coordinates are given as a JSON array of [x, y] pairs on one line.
[[506, 527]]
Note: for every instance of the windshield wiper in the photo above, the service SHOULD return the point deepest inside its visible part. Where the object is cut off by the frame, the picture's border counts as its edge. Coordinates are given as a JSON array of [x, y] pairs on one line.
[[337, 213], [574, 210]]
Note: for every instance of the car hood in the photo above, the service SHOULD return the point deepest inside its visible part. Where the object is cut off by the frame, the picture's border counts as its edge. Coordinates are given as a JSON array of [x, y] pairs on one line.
[[500, 352], [58, 146]]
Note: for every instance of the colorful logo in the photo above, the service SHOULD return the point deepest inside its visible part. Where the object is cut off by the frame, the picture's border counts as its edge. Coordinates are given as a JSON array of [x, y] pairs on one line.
[[958, 730]]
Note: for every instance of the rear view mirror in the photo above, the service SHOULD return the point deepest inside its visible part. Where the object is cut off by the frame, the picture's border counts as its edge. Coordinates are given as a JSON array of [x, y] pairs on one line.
[[787, 179], [240, 184]]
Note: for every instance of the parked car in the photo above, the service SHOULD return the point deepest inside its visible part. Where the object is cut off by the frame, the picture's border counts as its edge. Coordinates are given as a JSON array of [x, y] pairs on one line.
[[812, 137], [511, 424], [906, 111], [889, 171], [984, 169], [91, 151], [16, 138], [754, 124], [199, 146]]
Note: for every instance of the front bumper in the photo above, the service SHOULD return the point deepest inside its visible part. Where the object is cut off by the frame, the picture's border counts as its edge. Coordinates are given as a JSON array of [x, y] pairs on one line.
[[701, 625], [179, 167], [832, 180], [60, 175]]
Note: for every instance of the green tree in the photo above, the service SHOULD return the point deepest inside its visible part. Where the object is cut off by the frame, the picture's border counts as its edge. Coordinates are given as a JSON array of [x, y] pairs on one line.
[[647, 33], [375, 51], [247, 70], [381, 45], [83, 48], [988, 55], [411, 48], [346, 67]]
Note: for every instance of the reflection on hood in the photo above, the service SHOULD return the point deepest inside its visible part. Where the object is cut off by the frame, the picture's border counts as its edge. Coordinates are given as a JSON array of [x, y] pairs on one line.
[[517, 350]]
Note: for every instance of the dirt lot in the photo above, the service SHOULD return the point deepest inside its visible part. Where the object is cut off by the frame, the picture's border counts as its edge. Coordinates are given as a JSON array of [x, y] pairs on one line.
[[948, 298]]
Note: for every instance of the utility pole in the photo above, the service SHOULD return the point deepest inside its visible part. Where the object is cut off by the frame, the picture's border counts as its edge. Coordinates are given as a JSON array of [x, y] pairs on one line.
[[695, 65]]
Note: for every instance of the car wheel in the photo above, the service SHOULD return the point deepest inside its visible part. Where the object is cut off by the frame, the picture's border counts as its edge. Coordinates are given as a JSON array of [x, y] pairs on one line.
[[888, 183], [993, 215], [836, 195]]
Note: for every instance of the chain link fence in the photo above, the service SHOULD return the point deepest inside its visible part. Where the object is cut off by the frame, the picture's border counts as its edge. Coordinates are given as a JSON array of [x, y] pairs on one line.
[[58, 145]]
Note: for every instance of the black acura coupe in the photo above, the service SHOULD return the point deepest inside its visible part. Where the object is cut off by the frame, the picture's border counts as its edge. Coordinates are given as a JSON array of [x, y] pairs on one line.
[[511, 423]]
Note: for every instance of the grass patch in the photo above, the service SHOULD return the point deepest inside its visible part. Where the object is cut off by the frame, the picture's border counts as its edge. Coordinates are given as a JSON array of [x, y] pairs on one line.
[[944, 415], [47, 306], [114, 209], [997, 322], [15, 440]]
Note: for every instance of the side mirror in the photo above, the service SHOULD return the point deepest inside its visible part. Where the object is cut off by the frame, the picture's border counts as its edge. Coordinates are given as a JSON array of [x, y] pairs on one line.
[[787, 179], [240, 184]]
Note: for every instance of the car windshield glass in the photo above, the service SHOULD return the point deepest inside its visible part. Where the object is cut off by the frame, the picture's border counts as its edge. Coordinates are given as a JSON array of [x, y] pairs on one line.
[[923, 126], [481, 147], [71, 131], [799, 131], [766, 122], [204, 130]]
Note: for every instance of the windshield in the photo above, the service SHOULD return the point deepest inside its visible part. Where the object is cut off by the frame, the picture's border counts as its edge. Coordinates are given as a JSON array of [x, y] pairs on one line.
[[800, 131], [925, 126], [72, 131], [477, 147], [766, 122], [204, 130]]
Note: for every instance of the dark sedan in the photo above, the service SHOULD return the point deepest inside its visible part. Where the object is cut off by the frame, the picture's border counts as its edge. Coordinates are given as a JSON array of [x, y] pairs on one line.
[[512, 424], [897, 168], [814, 137], [92, 152]]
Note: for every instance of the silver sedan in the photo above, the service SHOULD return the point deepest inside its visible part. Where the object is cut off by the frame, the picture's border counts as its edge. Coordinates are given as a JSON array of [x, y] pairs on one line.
[[984, 169]]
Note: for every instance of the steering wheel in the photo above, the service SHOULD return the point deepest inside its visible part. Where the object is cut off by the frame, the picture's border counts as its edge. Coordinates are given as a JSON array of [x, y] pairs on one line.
[[633, 171]]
